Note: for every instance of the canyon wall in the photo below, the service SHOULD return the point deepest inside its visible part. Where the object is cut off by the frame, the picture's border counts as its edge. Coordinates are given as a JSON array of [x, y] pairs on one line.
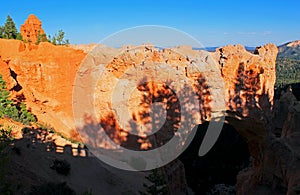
[[45, 75]]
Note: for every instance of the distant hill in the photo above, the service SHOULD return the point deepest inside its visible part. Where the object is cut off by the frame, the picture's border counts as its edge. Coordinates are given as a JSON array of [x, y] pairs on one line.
[[288, 64], [212, 49], [290, 50]]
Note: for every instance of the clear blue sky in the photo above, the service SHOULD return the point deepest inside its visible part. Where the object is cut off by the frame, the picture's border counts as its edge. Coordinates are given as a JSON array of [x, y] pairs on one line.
[[213, 23]]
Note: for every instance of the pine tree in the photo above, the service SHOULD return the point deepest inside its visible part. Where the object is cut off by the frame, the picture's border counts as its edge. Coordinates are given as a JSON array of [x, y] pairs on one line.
[[60, 37], [41, 38], [1, 31], [10, 110], [53, 41], [19, 37], [10, 30], [158, 184]]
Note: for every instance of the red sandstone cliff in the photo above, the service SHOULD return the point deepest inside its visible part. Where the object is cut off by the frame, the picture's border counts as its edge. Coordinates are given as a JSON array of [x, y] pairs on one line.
[[46, 75], [31, 29]]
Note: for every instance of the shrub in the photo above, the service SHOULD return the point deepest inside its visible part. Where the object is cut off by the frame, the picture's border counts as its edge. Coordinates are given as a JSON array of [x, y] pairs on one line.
[[158, 184], [61, 167], [5, 140], [41, 38], [10, 110], [52, 189], [59, 39], [5, 137]]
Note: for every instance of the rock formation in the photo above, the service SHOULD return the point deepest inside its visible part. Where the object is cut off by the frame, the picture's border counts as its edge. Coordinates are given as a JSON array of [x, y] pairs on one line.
[[6, 75], [46, 74], [31, 29], [276, 162]]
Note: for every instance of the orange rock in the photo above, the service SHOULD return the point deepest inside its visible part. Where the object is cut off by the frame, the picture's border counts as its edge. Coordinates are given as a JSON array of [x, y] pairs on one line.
[[46, 74], [6, 75], [10, 48], [248, 77], [31, 29]]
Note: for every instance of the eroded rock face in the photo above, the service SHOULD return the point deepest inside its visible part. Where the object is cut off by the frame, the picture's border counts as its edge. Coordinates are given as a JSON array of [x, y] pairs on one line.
[[275, 167], [10, 48], [249, 78], [6, 75], [31, 29], [46, 74]]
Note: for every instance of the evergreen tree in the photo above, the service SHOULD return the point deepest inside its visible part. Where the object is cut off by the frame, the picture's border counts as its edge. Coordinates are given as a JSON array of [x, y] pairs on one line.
[[158, 184], [10, 30], [19, 37], [10, 110], [53, 41], [41, 38], [60, 37], [1, 31], [67, 42]]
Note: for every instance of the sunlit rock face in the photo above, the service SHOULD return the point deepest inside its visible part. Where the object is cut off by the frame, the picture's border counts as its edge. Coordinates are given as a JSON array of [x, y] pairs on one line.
[[31, 29], [46, 74]]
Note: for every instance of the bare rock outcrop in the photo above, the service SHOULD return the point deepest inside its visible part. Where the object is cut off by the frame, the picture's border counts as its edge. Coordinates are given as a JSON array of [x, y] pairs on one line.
[[46, 74], [31, 29], [6, 75]]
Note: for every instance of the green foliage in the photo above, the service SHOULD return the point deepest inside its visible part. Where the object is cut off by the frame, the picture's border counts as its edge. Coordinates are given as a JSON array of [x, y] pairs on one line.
[[1, 31], [41, 38], [287, 70], [52, 189], [5, 137], [53, 41], [5, 140], [59, 39], [10, 110], [25, 116], [158, 184], [9, 30], [19, 37], [62, 167]]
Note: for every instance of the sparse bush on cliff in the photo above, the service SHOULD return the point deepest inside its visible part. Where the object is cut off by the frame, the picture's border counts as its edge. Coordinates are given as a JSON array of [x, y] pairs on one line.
[[19, 37], [157, 184], [5, 140], [59, 39], [52, 189], [41, 38], [10, 110], [1, 31], [62, 167]]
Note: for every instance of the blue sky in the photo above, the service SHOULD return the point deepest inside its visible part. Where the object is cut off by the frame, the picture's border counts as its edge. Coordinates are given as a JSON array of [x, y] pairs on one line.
[[213, 23]]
